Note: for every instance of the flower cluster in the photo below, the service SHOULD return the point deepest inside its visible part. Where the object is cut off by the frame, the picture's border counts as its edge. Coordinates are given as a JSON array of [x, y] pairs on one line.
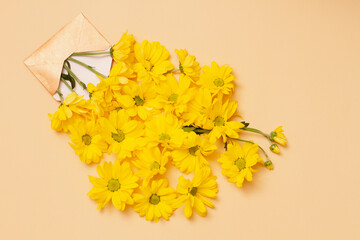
[[152, 117]]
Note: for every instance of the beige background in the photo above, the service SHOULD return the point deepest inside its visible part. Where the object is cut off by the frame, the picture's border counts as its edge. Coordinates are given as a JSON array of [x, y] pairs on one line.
[[298, 64]]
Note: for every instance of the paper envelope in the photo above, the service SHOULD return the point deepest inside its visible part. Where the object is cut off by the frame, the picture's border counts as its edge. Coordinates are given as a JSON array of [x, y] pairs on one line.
[[46, 63]]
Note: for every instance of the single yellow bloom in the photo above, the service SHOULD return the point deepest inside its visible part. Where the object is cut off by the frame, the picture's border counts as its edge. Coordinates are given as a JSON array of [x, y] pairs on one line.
[[72, 105], [116, 183], [217, 79], [156, 201], [121, 133], [87, 141], [122, 73], [143, 100], [199, 108], [219, 121], [195, 193], [278, 136], [188, 64], [191, 155], [175, 96], [124, 49], [164, 130], [237, 162], [152, 61], [150, 162]]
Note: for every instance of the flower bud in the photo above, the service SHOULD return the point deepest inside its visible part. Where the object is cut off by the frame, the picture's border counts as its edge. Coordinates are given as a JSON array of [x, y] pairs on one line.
[[268, 164], [274, 148]]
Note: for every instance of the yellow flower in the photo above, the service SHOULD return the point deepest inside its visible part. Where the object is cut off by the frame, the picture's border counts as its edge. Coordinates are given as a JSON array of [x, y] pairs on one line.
[[278, 136], [188, 64], [190, 156], [217, 79], [194, 194], [237, 162], [123, 50], [166, 130], [219, 122], [156, 201], [87, 141], [199, 108], [116, 183], [152, 61], [143, 99], [151, 162], [121, 72], [72, 105], [175, 96], [122, 134]]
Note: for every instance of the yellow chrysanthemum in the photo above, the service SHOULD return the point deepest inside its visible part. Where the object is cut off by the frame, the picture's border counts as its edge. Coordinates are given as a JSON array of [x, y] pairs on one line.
[[121, 133], [143, 99], [194, 193], [116, 183], [278, 136], [156, 201], [237, 162], [217, 79], [219, 121], [188, 64], [87, 141], [199, 109], [150, 162], [121, 72], [124, 49], [166, 130], [72, 105], [152, 61], [175, 96], [190, 156]]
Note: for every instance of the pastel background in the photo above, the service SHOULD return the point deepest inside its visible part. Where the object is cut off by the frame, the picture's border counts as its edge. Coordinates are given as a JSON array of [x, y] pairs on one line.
[[298, 65]]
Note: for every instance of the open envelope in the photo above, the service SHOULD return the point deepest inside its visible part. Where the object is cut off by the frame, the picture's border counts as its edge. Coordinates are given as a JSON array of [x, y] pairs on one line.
[[46, 63]]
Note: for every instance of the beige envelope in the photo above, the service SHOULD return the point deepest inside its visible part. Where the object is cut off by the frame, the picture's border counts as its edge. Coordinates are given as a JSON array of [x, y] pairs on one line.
[[46, 63]]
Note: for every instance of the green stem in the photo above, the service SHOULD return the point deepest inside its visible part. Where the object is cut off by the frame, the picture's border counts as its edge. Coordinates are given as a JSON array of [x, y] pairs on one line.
[[64, 81], [75, 77], [173, 71], [241, 140], [200, 130], [86, 66], [254, 130], [60, 95], [90, 53]]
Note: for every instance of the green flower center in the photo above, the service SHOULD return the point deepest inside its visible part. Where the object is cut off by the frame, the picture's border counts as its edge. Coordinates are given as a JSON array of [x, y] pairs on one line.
[[193, 150], [154, 199], [118, 108], [86, 139], [240, 163], [181, 67], [219, 82], [138, 101], [148, 65], [219, 121], [155, 165], [164, 137], [119, 137], [173, 98], [193, 191], [113, 185]]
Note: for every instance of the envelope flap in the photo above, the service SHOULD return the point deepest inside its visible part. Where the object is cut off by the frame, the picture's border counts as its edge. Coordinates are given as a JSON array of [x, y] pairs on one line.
[[46, 63]]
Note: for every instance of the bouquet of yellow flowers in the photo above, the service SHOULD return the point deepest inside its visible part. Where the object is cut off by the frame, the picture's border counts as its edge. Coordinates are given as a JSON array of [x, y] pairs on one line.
[[153, 116]]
